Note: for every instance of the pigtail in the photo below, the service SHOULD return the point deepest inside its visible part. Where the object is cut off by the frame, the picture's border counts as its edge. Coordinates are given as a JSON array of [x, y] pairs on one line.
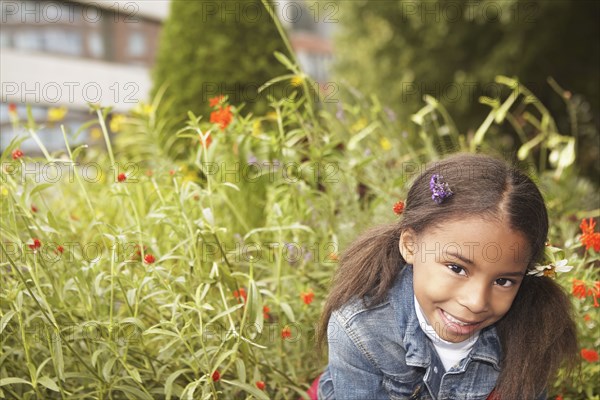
[[368, 267], [537, 335]]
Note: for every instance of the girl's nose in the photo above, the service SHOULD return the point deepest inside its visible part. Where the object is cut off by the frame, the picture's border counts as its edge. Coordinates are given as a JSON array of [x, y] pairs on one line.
[[475, 297]]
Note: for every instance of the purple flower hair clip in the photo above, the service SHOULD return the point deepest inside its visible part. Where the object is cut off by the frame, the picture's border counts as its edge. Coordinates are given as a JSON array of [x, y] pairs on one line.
[[439, 189]]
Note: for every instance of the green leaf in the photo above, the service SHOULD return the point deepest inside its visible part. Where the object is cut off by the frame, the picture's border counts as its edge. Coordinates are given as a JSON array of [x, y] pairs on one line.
[[39, 188], [12, 381], [285, 307], [259, 394], [158, 331], [223, 313], [6, 319], [49, 383], [107, 368], [285, 61], [171, 379], [135, 392]]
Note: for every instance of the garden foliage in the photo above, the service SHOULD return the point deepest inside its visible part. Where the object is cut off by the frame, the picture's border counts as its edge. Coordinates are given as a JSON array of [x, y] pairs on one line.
[[138, 276]]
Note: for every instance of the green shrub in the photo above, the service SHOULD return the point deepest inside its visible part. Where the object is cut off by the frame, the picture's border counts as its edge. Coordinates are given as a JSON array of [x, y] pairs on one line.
[[209, 48]]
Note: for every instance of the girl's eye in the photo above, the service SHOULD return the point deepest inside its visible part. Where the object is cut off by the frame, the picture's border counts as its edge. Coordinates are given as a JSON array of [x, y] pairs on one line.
[[457, 269], [504, 282]]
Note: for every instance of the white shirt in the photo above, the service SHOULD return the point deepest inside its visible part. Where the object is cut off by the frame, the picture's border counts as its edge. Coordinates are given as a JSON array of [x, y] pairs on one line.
[[450, 353]]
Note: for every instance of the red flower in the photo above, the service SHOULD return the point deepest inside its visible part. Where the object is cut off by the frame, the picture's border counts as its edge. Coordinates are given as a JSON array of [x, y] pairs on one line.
[[171, 172], [266, 311], [589, 238], [149, 172], [589, 355], [36, 244], [215, 100], [12, 108], [16, 154], [149, 259], [399, 208], [581, 291], [307, 297], [222, 116], [216, 376], [261, 385], [34, 208], [286, 332], [59, 249], [578, 289], [122, 177], [587, 318], [240, 294], [559, 397]]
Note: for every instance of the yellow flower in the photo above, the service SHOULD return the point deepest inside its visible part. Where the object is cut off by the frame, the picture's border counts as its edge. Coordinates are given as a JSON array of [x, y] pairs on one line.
[[4, 191], [359, 125], [143, 109], [256, 128], [56, 114], [385, 144], [272, 115], [116, 122], [297, 80], [95, 133]]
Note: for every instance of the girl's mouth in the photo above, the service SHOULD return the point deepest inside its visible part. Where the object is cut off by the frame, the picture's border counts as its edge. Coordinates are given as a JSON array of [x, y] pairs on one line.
[[457, 326], [457, 321]]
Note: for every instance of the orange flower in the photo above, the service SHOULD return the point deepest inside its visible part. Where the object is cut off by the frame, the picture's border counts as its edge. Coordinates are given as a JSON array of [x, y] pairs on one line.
[[35, 244], [16, 154], [589, 238], [122, 177], [240, 294], [307, 297], [12, 108], [149, 259], [216, 100], [578, 288], [587, 318], [261, 385], [286, 332], [589, 355], [59, 249], [399, 208], [333, 256], [559, 397], [581, 291], [266, 311], [222, 116]]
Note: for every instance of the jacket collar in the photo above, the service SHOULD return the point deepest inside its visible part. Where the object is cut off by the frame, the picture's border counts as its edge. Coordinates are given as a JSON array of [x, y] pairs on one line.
[[487, 348]]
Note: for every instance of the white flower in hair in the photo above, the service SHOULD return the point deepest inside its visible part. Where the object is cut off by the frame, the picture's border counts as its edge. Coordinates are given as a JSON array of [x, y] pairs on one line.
[[551, 269]]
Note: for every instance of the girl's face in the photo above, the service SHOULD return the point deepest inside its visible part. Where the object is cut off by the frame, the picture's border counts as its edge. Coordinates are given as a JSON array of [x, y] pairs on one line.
[[466, 273]]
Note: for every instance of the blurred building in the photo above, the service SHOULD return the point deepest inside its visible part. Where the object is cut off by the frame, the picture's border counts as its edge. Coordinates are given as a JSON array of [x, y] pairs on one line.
[[59, 56]]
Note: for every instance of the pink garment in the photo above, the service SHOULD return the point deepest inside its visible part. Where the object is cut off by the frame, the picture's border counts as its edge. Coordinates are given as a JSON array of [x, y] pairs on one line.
[[313, 390]]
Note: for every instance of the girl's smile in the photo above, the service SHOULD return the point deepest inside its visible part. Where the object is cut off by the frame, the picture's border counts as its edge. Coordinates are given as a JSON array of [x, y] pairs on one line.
[[466, 273]]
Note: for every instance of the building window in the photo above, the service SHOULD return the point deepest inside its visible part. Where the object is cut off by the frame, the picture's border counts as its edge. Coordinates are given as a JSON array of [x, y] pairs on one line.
[[95, 44], [136, 46], [63, 42]]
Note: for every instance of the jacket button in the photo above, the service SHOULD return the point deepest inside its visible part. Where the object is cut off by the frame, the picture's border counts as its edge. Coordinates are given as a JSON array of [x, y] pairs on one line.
[[435, 370]]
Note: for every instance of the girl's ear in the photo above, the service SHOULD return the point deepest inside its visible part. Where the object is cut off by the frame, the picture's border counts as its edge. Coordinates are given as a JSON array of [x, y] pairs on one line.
[[408, 244]]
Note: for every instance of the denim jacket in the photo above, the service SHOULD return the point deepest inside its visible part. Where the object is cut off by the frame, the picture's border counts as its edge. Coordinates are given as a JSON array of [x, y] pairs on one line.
[[382, 353]]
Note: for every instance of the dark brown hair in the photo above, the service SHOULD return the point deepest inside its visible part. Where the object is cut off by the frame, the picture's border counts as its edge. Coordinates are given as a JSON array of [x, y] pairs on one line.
[[538, 332]]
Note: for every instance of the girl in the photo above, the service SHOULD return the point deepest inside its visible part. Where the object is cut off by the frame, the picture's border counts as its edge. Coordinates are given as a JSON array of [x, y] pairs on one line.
[[440, 305]]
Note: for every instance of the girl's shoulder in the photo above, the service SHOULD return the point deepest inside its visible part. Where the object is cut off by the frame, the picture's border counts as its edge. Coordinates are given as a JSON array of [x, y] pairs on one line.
[[364, 308]]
